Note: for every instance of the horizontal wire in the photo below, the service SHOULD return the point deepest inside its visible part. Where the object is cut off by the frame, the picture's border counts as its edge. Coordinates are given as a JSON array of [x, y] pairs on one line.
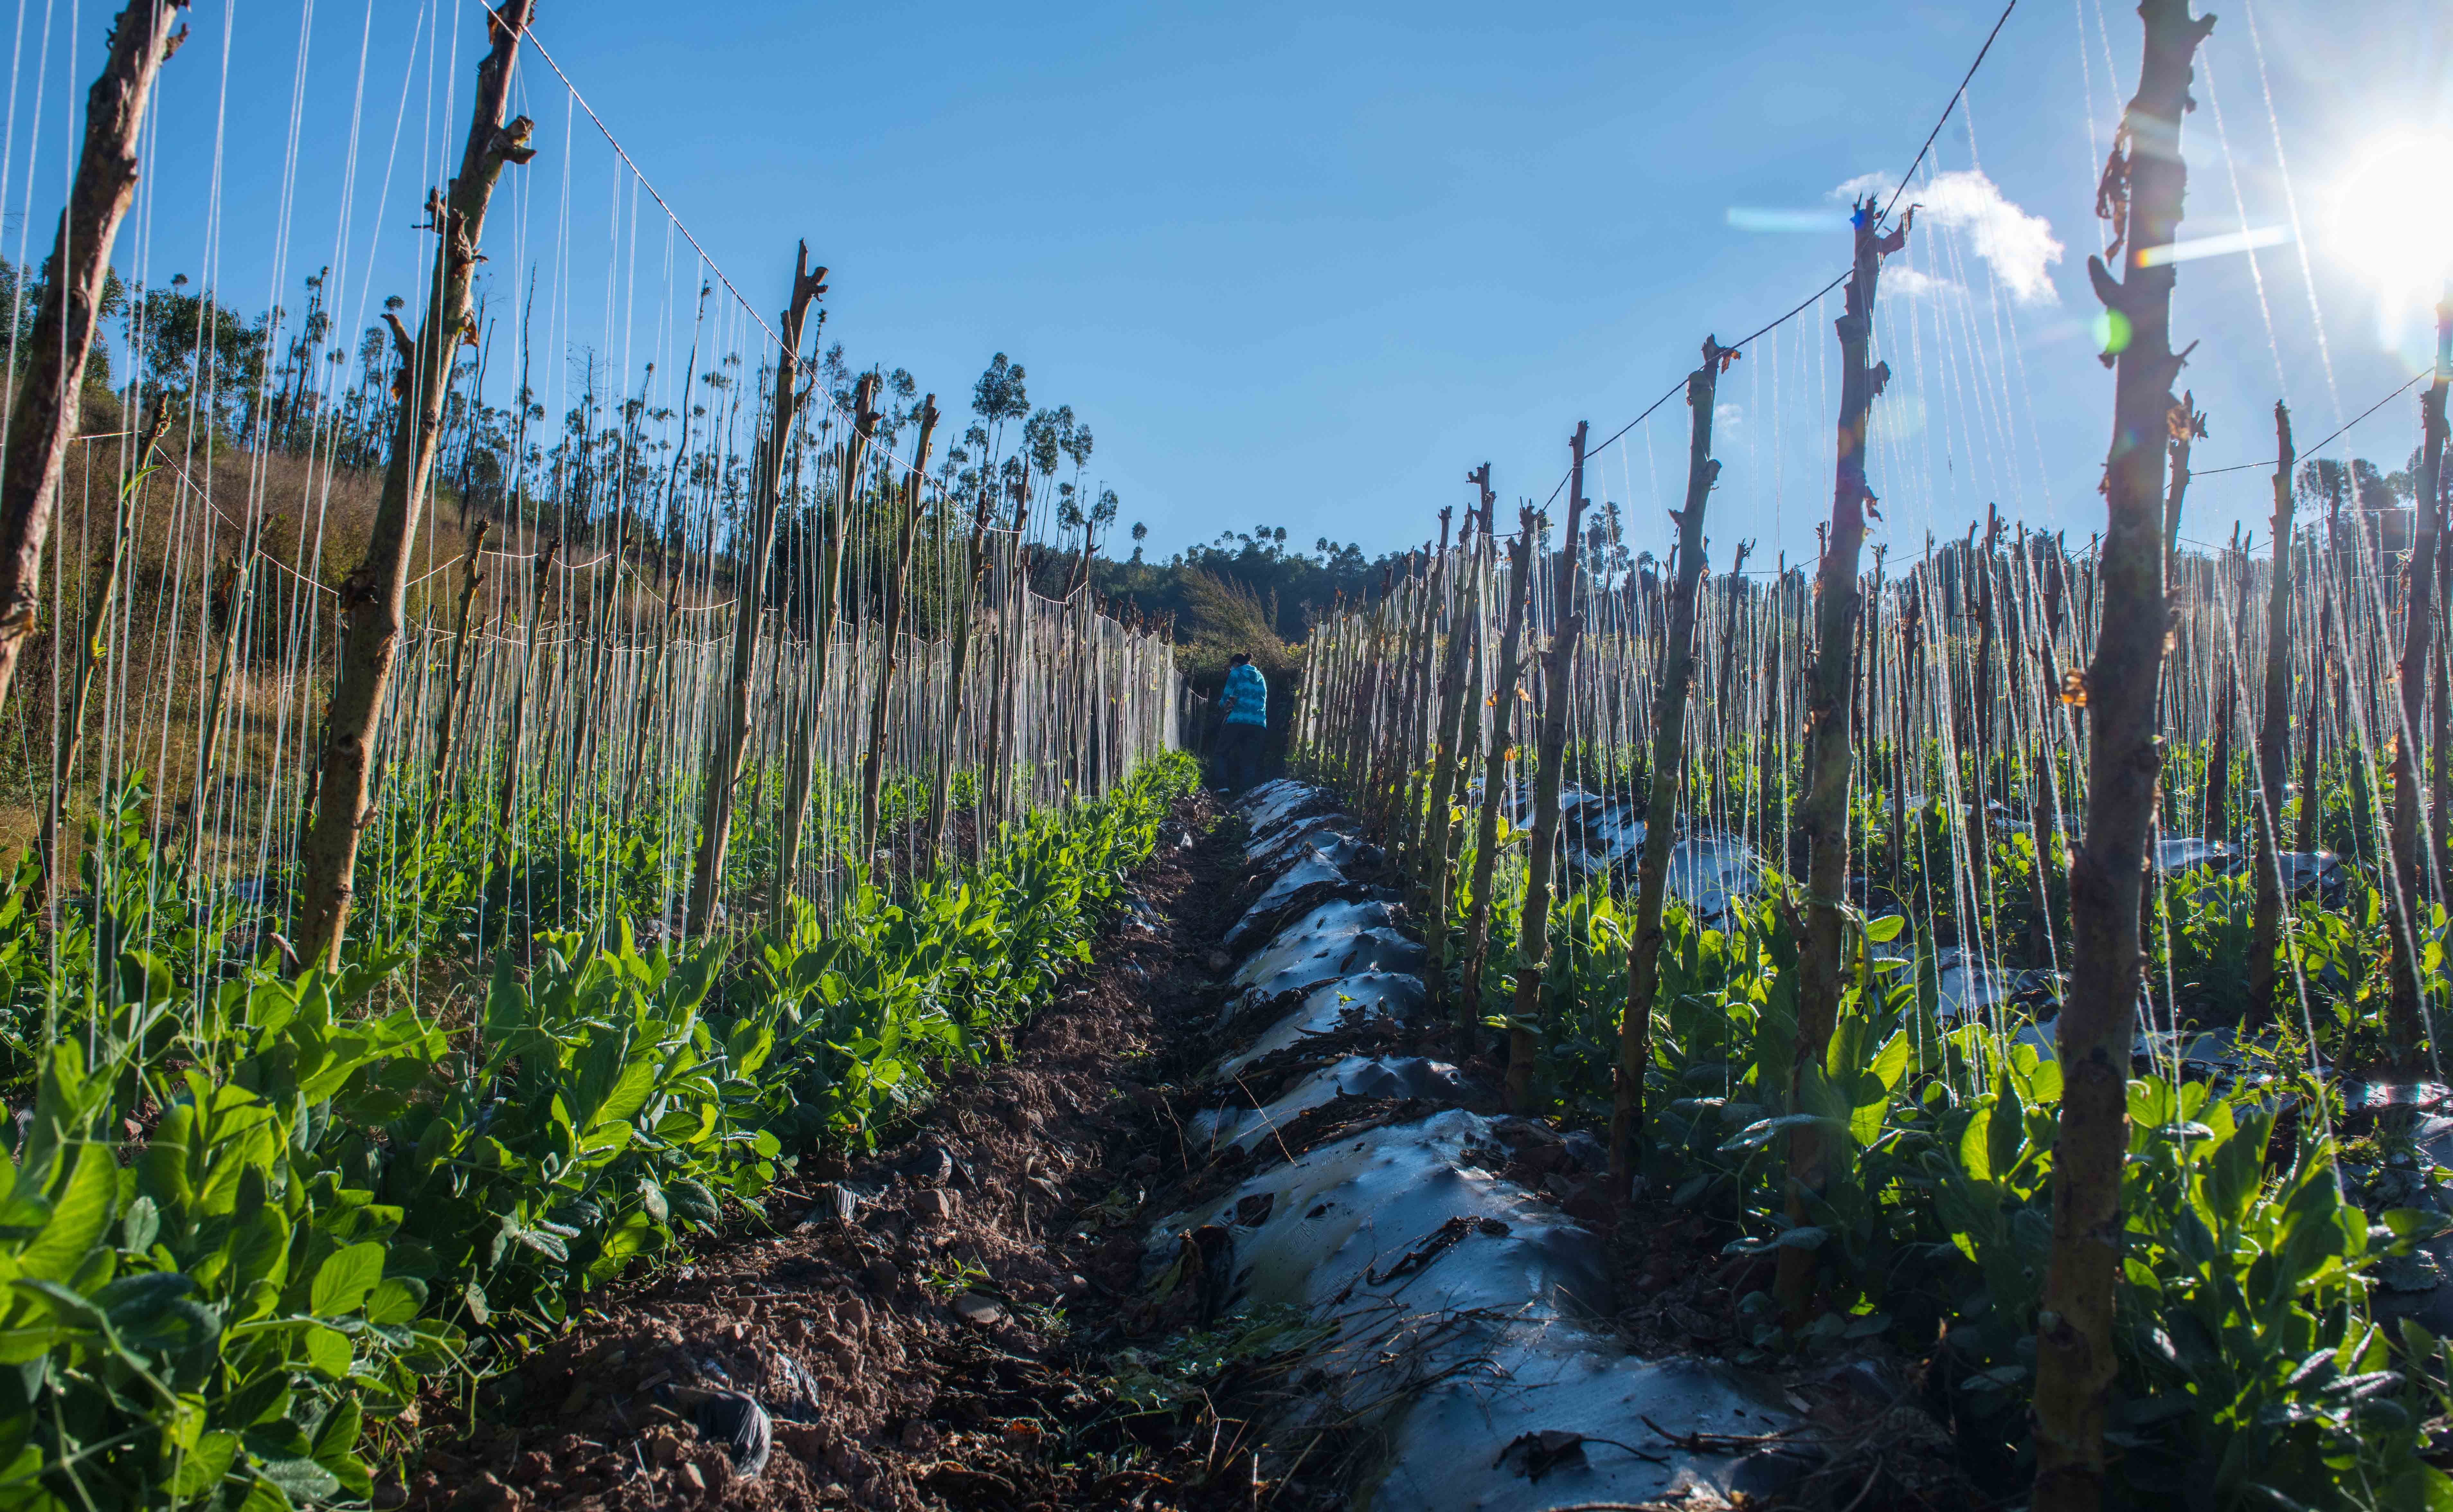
[[1807, 303], [2243, 467]]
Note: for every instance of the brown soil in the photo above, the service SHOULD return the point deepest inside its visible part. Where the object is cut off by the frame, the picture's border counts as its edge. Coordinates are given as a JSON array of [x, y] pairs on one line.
[[968, 1339]]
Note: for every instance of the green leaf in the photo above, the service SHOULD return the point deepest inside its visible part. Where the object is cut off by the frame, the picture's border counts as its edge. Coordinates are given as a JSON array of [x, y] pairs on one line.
[[692, 1200], [345, 1279], [1976, 1145], [78, 1215], [328, 1350], [396, 1301], [544, 1242], [139, 1230], [205, 1465], [337, 1436], [302, 1480]]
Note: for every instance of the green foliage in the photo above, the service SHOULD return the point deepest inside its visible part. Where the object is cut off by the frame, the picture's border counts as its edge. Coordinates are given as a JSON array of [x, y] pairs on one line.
[[2253, 1371], [248, 1214]]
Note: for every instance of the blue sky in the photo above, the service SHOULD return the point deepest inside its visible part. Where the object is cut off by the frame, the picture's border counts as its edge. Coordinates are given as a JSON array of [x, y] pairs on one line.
[[1305, 265]]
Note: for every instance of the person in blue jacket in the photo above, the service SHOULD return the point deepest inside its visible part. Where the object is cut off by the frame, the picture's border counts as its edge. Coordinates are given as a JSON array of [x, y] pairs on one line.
[[1246, 703]]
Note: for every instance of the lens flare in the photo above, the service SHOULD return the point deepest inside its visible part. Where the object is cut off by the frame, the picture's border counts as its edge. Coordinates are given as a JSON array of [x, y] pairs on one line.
[[2393, 215]]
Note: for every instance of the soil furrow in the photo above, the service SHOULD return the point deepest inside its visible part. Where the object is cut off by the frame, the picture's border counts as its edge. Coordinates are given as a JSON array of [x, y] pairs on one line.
[[949, 1322]]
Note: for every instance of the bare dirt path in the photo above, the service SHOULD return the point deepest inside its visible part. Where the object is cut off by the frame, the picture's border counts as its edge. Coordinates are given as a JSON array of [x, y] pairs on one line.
[[951, 1321]]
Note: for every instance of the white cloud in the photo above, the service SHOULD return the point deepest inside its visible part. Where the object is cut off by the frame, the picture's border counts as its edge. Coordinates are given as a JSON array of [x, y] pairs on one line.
[[1910, 283], [1726, 417], [2017, 246]]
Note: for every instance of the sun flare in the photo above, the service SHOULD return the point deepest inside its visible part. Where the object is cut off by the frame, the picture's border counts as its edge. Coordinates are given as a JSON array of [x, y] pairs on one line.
[[2393, 215]]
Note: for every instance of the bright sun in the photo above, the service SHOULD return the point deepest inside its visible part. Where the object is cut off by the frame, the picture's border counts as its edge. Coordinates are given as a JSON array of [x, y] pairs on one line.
[[2393, 215]]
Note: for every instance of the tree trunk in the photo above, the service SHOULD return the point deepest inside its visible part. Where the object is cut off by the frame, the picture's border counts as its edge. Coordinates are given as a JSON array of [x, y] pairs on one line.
[[1533, 929], [749, 597], [2273, 740], [439, 778], [1416, 839], [1669, 695], [241, 596], [2404, 898], [2304, 834], [1500, 703], [372, 597], [2046, 819], [825, 596], [958, 657], [1465, 625], [872, 768], [1823, 818], [2186, 425], [69, 734], [2214, 814], [43, 420], [2075, 1362], [507, 791]]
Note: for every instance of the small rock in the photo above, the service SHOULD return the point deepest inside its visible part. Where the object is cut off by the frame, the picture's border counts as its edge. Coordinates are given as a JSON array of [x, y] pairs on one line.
[[980, 1312], [694, 1476], [930, 1165], [936, 1205], [1218, 960]]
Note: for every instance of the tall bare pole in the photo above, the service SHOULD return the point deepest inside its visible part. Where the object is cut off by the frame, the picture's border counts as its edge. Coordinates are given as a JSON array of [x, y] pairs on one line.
[[749, 597], [2273, 738], [372, 598], [873, 765], [1501, 706], [1668, 761], [2406, 896], [1465, 630], [827, 597], [43, 422], [472, 577], [69, 735], [1533, 929], [2143, 187], [1830, 704], [961, 633]]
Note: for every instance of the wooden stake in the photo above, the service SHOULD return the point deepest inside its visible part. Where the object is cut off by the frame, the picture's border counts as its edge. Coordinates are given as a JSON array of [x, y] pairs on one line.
[[873, 764], [1668, 763], [69, 735], [827, 596], [1823, 818], [2403, 896], [749, 598], [372, 597], [2075, 1360], [439, 778], [1499, 707], [2273, 740], [1533, 930], [43, 422]]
